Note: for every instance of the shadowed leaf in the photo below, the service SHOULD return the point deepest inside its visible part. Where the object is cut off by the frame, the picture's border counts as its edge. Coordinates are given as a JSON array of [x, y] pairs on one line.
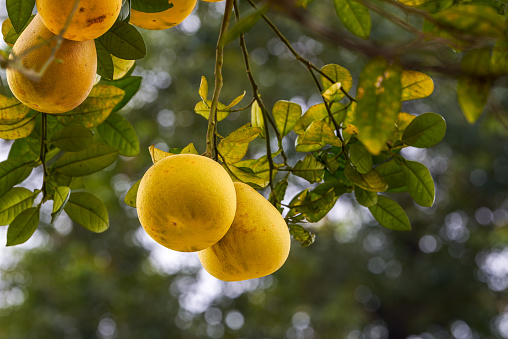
[[88, 211], [23, 226], [390, 215]]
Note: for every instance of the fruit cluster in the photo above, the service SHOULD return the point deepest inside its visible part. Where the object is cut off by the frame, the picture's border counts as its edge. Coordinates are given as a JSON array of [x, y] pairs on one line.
[[68, 71], [189, 203]]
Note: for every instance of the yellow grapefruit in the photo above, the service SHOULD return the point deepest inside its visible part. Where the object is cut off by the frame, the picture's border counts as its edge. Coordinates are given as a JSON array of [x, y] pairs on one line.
[[166, 19]]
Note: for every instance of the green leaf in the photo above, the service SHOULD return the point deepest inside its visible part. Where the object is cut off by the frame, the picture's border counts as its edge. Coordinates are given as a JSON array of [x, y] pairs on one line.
[[499, 59], [316, 136], [313, 205], [360, 158], [415, 85], [234, 147], [302, 235], [354, 16], [240, 174], [203, 109], [236, 101], [14, 202], [105, 67], [118, 132], [419, 183], [18, 130], [310, 169], [425, 130], [72, 138], [130, 197], [189, 149], [93, 159], [337, 74], [151, 6], [390, 215], [278, 193], [259, 167], [123, 41], [256, 118], [19, 12], [23, 226], [203, 89], [286, 114], [476, 20], [319, 112], [12, 172], [61, 196], [88, 211], [130, 85], [392, 172], [365, 198], [11, 110], [371, 181], [378, 103], [246, 22], [349, 123], [20, 149], [95, 109]]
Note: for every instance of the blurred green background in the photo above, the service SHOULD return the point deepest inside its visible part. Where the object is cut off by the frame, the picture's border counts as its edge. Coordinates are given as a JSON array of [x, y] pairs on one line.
[[447, 278]]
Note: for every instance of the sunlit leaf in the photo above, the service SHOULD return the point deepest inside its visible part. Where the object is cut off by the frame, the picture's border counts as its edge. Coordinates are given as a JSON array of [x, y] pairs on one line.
[[130, 197], [360, 158], [256, 118], [72, 138], [61, 196], [95, 109], [241, 175], [158, 154], [302, 235], [124, 41], [355, 17], [19, 12], [118, 132], [234, 147], [260, 167], [317, 135], [314, 206], [337, 74], [425, 130], [88, 211], [18, 130], [415, 85], [419, 183], [378, 103], [286, 114], [319, 112], [23, 226], [413, 2], [189, 149], [390, 215], [11, 110], [203, 109], [129, 84], [14, 202], [12, 172], [349, 123], [365, 198], [371, 181], [310, 169], [203, 89], [93, 159], [333, 93], [236, 101]]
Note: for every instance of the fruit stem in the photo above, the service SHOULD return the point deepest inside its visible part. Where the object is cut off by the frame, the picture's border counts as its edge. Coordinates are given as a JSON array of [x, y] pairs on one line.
[[211, 135]]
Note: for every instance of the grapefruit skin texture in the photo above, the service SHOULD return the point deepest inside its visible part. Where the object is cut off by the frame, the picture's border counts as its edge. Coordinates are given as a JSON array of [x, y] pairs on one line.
[[92, 18], [166, 19], [67, 81], [256, 245], [186, 202]]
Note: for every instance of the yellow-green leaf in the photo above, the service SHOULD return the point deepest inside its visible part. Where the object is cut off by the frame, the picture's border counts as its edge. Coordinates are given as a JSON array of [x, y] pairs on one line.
[[95, 109], [93, 159], [23, 226], [337, 74], [234, 147], [415, 85], [189, 149], [360, 158], [419, 183], [371, 181], [203, 89], [319, 112], [11, 110], [390, 215], [236, 101], [378, 103], [256, 118], [132, 193], [333, 93], [60, 198], [18, 130], [286, 114], [88, 211], [158, 154], [355, 17], [14, 202], [316, 136], [203, 109], [239, 174], [310, 169]]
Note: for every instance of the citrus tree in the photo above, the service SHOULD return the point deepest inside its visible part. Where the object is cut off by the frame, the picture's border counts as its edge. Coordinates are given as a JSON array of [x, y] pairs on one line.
[[349, 143]]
